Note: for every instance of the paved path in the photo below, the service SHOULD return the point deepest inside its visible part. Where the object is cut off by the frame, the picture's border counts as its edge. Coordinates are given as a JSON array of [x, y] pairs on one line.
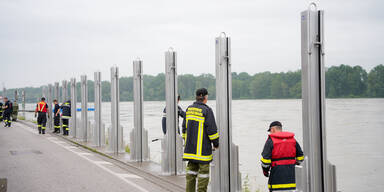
[[46, 163]]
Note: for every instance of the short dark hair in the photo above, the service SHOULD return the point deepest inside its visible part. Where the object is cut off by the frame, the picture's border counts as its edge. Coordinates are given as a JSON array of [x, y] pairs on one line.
[[275, 124], [200, 98], [55, 100], [178, 97], [43, 98]]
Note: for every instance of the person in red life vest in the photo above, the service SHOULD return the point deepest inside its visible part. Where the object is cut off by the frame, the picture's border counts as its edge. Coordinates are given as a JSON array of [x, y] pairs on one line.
[[41, 111], [280, 155]]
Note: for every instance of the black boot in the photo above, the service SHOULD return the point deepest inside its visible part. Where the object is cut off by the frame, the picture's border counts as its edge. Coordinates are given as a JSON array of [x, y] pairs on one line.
[[43, 131], [39, 130]]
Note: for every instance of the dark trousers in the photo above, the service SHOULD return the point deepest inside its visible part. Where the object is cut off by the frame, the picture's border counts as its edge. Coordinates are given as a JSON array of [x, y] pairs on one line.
[[65, 126], [56, 124], [41, 122], [7, 119]]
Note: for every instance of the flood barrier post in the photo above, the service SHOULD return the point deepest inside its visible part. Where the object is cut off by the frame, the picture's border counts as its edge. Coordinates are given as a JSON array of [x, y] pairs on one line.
[[116, 144], [172, 144], [99, 129], [319, 174], [138, 136], [64, 85], [74, 128], [50, 109], [23, 101], [225, 175], [56, 92], [84, 109]]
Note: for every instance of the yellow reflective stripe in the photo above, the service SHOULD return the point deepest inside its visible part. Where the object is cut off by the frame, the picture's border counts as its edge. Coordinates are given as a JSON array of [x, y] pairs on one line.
[[214, 136], [266, 161], [199, 140], [281, 186], [184, 135], [67, 129], [300, 158], [66, 117], [197, 157], [195, 117], [43, 128], [38, 125]]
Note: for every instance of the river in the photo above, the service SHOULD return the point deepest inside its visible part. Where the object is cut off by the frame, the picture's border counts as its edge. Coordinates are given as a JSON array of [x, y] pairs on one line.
[[355, 130]]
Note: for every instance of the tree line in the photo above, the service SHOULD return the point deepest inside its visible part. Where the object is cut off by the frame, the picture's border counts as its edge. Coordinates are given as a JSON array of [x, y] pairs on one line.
[[342, 81]]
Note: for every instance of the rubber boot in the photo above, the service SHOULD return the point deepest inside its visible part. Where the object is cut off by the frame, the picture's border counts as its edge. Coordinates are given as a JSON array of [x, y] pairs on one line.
[[39, 130]]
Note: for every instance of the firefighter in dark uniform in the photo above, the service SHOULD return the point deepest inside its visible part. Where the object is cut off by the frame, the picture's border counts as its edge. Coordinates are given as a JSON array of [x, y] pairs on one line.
[[7, 111], [65, 116], [56, 118], [41, 111], [280, 155], [1, 111], [180, 113], [199, 133]]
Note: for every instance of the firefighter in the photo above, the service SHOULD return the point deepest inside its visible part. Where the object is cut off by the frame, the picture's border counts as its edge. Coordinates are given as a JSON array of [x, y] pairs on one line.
[[56, 118], [41, 112], [7, 111], [180, 113], [199, 133], [280, 155], [1, 111], [65, 116]]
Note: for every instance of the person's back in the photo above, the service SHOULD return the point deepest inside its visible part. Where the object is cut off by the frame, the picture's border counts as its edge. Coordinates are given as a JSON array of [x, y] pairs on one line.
[[280, 155], [66, 115], [41, 111], [180, 113], [199, 133], [7, 111]]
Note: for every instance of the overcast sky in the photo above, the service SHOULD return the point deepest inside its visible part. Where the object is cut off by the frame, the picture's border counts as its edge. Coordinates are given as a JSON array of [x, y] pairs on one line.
[[43, 41]]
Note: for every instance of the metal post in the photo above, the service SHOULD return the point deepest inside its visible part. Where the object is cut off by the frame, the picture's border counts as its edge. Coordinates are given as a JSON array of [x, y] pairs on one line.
[[116, 131], [64, 91], [49, 102], [84, 109], [16, 96], [74, 129], [172, 144], [139, 136], [23, 102], [319, 174], [98, 132], [57, 92], [225, 175]]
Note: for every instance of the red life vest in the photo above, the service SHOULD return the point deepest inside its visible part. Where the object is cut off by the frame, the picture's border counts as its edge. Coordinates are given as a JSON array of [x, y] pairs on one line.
[[41, 107], [284, 148]]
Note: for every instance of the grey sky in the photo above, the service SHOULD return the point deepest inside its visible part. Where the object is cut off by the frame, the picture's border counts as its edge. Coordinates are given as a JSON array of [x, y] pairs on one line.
[[43, 41]]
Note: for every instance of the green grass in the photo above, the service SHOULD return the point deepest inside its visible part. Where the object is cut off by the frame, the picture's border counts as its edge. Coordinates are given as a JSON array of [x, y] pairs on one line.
[[20, 117], [127, 149]]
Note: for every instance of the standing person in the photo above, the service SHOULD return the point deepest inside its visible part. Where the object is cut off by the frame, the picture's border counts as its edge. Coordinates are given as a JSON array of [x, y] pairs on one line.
[[7, 111], [1, 110], [280, 155], [180, 113], [65, 116], [56, 118], [199, 133], [41, 111]]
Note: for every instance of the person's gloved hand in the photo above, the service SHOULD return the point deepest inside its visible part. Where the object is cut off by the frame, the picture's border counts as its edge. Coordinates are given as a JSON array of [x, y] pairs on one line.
[[266, 173]]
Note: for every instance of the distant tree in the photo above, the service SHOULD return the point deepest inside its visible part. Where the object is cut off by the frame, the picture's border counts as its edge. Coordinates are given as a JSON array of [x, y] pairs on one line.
[[376, 82]]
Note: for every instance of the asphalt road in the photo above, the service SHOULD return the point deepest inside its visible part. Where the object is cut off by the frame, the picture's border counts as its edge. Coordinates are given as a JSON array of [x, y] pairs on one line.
[[45, 163]]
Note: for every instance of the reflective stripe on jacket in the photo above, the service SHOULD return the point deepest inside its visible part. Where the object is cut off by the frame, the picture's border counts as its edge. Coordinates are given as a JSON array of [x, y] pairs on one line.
[[199, 133], [42, 107]]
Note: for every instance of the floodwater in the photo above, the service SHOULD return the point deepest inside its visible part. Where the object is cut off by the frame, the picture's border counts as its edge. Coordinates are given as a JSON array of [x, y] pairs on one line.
[[355, 130]]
